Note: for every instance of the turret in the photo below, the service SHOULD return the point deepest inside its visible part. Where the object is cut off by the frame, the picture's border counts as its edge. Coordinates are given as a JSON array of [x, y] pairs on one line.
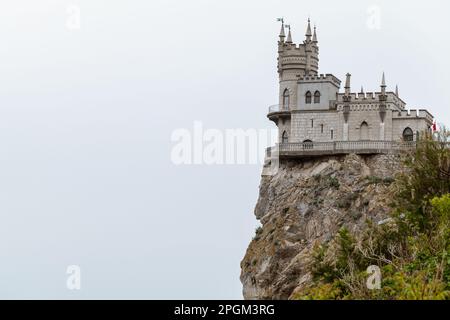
[[311, 49], [282, 34], [289, 38], [314, 35], [308, 32], [383, 99], [383, 85], [295, 61], [347, 97], [347, 84]]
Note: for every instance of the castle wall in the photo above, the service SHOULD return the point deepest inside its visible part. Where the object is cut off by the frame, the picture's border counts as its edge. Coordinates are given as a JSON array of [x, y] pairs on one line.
[[284, 125], [415, 123], [373, 120], [291, 85], [301, 128], [327, 93]]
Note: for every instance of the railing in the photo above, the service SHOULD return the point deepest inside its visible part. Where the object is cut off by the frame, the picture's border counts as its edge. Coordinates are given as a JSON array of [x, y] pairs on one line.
[[342, 147], [277, 108]]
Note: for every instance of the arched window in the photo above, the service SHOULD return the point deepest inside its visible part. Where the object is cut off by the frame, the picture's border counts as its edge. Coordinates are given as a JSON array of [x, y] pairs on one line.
[[364, 131], [286, 98], [284, 137], [317, 97], [308, 97], [408, 134], [307, 144]]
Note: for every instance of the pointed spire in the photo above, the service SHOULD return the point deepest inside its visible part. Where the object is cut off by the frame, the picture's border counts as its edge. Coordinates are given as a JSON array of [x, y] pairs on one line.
[[396, 90], [289, 37], [308, 31], [282, 34], [314, 35], [362, 89], [383, 85], [347, 84]]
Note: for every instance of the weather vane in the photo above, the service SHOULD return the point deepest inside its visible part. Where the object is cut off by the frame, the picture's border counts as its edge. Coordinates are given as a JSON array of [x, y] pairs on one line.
[[280, 20]]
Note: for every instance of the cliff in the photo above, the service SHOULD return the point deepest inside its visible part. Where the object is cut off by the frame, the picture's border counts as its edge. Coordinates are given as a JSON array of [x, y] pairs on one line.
[[304, 204]]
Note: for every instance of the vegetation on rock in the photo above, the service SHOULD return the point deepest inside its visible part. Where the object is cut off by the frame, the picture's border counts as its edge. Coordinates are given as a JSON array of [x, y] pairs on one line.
[[411, 247]]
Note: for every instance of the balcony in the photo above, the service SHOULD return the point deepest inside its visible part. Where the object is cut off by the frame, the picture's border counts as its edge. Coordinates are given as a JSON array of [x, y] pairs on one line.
[[313, 149], [278, 111]]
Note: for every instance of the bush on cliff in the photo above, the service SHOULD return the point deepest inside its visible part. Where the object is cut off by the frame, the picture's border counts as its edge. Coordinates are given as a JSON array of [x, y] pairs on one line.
[[412, 248]]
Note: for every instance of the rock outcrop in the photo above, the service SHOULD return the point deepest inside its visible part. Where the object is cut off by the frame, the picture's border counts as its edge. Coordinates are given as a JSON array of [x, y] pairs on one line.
[[306, 203]]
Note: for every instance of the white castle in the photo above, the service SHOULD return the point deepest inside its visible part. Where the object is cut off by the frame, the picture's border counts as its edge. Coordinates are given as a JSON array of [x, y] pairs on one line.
[[313, 117]]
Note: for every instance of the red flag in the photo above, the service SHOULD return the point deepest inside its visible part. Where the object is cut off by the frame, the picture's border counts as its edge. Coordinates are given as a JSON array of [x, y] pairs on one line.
[[434, 126]]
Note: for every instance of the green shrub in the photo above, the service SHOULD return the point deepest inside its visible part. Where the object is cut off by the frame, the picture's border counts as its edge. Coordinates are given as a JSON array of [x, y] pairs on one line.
[[412, 248]]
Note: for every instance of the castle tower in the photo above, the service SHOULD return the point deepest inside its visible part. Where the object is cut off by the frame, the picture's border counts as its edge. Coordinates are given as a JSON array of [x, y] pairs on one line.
[[294, 62]]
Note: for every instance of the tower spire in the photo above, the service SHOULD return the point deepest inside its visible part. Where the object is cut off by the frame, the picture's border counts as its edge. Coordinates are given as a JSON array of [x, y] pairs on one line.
[[308, 31], [396, 90], [383, 85], [347, 84], [383, 99], [289, 37], [282, 34], [314, 39]]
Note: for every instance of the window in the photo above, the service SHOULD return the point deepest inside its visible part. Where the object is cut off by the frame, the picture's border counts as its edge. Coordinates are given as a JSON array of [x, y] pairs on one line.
[[364, 131], [408, 134], [332, 134], [321, 128], [284, 137], [308, 97], [286, 98], [317, 97], [312, 123], [307, 144]]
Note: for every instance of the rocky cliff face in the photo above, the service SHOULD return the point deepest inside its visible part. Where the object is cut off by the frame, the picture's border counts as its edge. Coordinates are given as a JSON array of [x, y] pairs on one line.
[[304, 204]]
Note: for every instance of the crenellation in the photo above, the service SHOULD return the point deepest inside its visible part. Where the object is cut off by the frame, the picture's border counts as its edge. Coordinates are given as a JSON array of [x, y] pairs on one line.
[[425, 114]]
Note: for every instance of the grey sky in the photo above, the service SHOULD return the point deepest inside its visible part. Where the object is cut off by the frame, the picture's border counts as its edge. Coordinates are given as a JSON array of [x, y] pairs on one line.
[[86, 118]]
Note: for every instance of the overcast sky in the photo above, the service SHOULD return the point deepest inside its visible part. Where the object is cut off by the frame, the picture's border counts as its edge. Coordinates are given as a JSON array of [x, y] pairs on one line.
[[86, 117]]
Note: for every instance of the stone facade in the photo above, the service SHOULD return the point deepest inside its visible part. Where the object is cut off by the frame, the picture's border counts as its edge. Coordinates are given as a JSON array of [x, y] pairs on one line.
[[311, 108]]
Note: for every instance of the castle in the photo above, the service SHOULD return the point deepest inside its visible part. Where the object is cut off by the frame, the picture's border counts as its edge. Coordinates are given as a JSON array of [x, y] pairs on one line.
[[313, 117]]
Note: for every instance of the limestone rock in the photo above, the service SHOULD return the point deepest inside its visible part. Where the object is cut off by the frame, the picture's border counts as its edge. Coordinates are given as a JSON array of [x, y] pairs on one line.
[[306, 203]]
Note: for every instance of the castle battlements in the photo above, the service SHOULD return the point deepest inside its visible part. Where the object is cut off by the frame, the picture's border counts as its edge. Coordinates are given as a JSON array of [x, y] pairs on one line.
[[320, 78], [312, 113], [367, 96], [413, 113], [372, 97], [292, 48]]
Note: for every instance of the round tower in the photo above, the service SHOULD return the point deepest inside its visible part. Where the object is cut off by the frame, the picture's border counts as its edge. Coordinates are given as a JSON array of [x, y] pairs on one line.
[[295, 62]]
